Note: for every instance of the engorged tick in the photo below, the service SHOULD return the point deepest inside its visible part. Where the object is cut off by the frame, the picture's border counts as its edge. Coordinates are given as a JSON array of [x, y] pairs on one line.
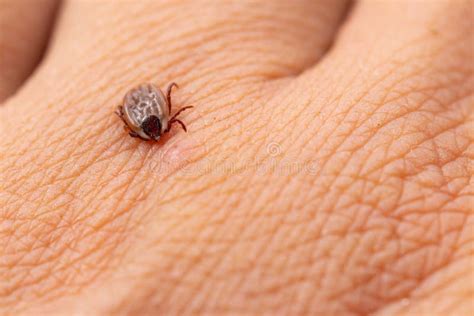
[[146, 112]]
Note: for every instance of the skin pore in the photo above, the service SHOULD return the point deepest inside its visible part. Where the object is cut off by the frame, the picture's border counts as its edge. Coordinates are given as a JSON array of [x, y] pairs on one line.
[[327, 168]]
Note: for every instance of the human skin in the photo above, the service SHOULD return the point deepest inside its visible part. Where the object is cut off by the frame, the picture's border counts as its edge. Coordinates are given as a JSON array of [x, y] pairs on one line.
[[315, 178]]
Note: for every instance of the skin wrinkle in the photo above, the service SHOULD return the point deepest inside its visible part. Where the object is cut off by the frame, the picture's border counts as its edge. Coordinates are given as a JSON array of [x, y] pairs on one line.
[[189, 270], [426, 308], [204, 271]]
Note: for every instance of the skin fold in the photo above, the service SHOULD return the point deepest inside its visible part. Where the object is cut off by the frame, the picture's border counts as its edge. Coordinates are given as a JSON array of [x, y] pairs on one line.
[[327, 168]]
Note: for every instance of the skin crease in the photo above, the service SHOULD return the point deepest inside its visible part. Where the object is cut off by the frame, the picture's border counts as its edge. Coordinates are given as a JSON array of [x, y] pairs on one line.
[[314, 179]]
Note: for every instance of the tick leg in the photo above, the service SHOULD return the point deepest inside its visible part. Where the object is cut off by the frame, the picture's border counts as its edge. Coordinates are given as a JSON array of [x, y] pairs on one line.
[[168, 94], [119, 110], [181, 110], [179, 122]]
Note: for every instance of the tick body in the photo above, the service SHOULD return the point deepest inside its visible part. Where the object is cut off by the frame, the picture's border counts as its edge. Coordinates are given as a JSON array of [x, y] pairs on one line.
[[146, 112]]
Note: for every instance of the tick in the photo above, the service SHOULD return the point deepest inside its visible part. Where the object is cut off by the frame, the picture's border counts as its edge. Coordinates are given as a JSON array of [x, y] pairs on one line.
[[146, 112]]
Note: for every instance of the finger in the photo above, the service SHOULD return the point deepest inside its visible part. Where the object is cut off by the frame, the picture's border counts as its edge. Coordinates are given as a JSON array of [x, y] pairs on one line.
[[24, 31], [148, 40], [401, 34], [402, 57], [399, 26]]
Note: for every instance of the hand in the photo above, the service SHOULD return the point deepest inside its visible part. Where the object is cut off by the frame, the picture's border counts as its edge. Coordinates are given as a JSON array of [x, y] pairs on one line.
[[315, 178]]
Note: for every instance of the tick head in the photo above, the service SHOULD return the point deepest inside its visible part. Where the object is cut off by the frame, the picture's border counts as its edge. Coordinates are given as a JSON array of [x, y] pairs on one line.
[[151, 126]]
